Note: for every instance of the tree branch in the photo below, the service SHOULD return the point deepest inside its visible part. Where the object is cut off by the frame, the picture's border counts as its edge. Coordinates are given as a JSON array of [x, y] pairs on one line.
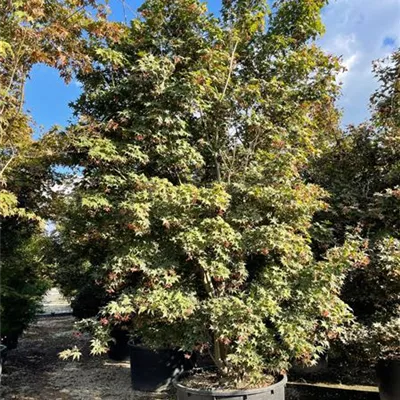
[[7, 164], [230, 70]]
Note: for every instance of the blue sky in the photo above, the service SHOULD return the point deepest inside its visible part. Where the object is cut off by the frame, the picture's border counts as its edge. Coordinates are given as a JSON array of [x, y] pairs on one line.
[[358, 30]]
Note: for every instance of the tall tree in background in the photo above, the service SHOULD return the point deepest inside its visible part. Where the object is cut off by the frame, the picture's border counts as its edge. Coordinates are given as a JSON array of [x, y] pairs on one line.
[[58, 34], [362, 174], [192, 211]]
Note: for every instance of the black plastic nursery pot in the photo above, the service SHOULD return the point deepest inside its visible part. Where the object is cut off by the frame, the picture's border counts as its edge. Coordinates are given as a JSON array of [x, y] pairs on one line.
[[119, 349], [3, 354], [388, 373], [11, 340], [272, 392], [155, 370]]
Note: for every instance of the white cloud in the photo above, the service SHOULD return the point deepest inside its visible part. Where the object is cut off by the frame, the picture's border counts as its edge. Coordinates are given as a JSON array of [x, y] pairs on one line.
[[346, 43], [360, 31], [77, 83]]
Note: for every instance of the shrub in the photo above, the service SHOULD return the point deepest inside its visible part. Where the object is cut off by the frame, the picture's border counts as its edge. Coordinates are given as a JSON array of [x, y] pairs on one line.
[[23, 279]]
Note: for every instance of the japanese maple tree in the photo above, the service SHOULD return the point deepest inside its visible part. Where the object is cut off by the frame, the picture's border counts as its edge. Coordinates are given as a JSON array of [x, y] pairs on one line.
[[192, 211]]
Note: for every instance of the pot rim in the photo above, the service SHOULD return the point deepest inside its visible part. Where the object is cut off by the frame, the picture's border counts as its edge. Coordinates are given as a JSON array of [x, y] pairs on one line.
[[226, 393]]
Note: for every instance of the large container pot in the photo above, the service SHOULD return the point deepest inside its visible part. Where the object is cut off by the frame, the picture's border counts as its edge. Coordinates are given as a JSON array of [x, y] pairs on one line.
[[3, 354], [11, 340], [154, 370], [273, 392], [388, 372], [119, 348]]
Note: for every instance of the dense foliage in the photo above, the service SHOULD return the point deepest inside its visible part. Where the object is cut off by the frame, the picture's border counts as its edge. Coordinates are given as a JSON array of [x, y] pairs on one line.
[[57, 34], [362, 174], [192, 211]]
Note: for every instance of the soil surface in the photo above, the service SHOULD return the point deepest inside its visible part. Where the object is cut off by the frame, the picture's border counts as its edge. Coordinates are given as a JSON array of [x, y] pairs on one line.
[[210, 381], [33, 371]]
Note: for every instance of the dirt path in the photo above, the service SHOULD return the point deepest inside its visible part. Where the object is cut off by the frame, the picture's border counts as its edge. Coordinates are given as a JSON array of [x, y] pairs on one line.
[[33, 371]]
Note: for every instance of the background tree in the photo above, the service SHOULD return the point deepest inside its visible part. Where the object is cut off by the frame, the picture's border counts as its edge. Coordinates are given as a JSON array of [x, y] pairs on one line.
[[55, 33], [362, 173], [192, 211]]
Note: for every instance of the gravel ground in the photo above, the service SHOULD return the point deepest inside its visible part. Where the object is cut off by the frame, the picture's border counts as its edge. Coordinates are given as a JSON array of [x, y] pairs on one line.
[[33, 371]]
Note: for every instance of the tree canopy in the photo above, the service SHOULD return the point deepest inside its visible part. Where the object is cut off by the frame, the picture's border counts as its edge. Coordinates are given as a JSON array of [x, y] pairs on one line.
[[361, 171], [58, 34], [192, 210]]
